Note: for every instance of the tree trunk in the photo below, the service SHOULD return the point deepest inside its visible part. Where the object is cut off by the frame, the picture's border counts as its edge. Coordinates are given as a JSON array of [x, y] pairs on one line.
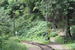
[[68, 34], [53, 23]]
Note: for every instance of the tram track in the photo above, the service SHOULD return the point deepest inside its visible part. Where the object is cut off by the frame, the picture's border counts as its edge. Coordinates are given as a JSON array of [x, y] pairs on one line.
[[42, 46]]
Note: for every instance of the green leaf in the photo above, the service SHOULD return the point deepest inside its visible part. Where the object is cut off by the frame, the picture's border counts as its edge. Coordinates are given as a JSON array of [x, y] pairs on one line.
[[58, 6], [70, 7], [35, 8], [54, 2], [66, 12]]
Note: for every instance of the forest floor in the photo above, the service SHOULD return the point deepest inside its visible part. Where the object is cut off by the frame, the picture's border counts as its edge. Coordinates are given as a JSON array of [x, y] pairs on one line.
[[54, 45]]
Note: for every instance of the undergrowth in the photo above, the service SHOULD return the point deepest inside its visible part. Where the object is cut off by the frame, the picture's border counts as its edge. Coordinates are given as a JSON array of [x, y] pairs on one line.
[[69, 43], [36, 31], [13, 43], [59, 39]]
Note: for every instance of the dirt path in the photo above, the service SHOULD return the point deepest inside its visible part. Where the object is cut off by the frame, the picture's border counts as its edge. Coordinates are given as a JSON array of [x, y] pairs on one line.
[[56, 45], [32, 47]]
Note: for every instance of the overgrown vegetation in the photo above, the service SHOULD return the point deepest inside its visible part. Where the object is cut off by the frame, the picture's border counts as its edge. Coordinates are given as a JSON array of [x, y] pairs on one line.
[[13, 43], [31, 20]]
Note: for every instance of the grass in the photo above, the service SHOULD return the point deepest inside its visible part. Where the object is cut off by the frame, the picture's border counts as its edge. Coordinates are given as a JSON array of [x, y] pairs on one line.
[[38, 40], [70, 43], [46, 42], [59, 39], [13, 44], [42, 40]]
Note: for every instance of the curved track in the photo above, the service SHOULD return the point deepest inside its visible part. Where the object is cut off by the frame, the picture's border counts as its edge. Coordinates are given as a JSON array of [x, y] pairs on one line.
[[42, 46]]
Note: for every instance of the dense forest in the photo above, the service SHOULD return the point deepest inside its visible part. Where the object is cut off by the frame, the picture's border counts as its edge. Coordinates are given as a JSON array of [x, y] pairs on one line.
[[30, 20]]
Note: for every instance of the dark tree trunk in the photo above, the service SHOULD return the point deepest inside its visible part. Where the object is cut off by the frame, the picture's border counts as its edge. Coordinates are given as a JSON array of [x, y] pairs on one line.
[[68, 34]]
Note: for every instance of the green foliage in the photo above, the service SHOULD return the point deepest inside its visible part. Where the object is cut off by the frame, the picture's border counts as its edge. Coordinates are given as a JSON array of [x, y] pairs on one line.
[[22, 21], [53, 34], [4, 3], [14, 39], [72, 46], [57, 10], [13, 6], [73, 28], [4, 37], [73, 31], [72, 21], [25, 24], [34, 29], [5, 22], [41, 40], [28, 2], [12, 44], [59, 39], [5, 26]]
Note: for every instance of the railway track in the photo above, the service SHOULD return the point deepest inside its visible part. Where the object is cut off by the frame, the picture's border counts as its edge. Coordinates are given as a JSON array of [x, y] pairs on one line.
[[42, 46]]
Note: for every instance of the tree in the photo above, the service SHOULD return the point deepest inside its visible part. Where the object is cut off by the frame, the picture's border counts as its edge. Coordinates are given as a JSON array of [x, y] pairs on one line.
[[59, 10]]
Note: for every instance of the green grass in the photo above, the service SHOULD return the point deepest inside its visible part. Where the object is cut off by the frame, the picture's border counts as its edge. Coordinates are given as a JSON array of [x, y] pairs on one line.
[[38, 40], [70, 43], [70, 46], [59, 39], [13, 44], [42, 40], [46, 42]]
